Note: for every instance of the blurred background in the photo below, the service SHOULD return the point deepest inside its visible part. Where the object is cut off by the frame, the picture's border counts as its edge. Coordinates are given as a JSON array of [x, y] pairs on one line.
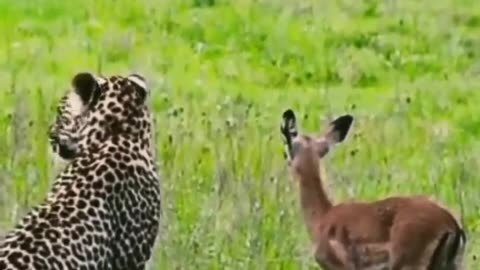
[[222, 72]]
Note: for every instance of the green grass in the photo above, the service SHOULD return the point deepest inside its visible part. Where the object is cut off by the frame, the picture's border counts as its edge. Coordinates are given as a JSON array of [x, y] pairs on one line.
[[222, 72]]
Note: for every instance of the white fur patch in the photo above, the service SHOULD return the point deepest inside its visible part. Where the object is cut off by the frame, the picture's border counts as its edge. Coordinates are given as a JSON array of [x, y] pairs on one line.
[[136, 79], [100, 80], [75, 103]]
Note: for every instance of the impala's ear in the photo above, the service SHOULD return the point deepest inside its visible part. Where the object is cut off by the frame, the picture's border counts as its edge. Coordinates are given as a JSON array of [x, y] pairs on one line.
[[338, 129], [289, 124], [85, 84], [289, 131]]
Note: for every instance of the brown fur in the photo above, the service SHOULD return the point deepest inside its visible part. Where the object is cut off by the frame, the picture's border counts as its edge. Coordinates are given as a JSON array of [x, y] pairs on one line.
[[399, 233]]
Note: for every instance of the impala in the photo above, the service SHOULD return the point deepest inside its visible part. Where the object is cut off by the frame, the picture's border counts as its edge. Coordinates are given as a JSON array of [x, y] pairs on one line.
[[395, 233]]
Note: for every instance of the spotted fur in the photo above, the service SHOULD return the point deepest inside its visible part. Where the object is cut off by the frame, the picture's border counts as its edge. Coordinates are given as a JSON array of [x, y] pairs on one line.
[[103, 210]]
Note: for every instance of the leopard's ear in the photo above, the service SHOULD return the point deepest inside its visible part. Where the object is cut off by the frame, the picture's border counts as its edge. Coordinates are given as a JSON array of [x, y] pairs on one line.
[[140, 85], [85, 84]]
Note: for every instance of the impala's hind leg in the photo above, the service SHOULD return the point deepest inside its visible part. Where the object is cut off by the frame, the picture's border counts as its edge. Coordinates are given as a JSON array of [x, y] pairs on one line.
[[405, 235]]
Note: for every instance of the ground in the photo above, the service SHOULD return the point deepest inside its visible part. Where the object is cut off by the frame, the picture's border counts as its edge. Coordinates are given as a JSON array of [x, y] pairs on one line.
[[222, 72]]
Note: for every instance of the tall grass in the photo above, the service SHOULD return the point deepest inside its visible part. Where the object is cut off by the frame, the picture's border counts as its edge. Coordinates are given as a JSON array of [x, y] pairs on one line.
[[222, 72]]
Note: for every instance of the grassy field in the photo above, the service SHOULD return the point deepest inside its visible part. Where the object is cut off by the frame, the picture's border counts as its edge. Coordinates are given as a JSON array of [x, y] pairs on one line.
[[222, 72]]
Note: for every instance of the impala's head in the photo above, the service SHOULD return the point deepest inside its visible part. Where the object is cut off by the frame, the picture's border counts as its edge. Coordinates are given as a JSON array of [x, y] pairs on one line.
[[303, 147]]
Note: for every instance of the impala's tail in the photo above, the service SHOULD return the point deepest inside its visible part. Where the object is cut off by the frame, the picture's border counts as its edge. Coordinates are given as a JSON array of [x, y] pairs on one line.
[[449, 251], [457, 249]]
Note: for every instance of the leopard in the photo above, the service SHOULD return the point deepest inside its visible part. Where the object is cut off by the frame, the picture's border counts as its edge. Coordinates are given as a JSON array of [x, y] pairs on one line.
[[103, 209]]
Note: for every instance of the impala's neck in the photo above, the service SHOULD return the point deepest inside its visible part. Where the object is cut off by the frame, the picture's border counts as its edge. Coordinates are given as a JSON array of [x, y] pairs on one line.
[[313, 198]]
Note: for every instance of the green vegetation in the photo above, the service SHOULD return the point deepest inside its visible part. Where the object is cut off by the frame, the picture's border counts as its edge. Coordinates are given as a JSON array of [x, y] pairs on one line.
[[222, 73]]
